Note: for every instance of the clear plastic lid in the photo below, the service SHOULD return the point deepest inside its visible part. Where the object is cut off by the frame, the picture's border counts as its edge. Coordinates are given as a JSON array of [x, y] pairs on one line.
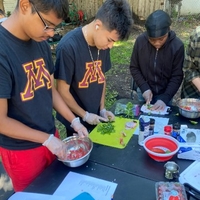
[[170, 191]]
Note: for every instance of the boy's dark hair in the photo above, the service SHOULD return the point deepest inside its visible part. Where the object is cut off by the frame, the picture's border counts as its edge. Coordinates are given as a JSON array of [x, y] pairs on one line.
[[116, 15], [60, 7]]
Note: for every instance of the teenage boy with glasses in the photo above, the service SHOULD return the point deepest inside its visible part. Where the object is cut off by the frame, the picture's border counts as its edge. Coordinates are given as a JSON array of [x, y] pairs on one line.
[[28, 137]]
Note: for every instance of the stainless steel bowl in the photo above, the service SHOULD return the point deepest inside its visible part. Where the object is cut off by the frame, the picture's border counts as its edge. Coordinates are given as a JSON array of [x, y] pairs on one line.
[[189, 108], [78, 150]]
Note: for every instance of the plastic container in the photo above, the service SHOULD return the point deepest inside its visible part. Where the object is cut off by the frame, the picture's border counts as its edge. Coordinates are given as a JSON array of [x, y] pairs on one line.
[[170, 191], [176, 130], [141, 136], [151, 126], [144, 125], [167, 130], [161, 147], [171, 170], [136, 110]]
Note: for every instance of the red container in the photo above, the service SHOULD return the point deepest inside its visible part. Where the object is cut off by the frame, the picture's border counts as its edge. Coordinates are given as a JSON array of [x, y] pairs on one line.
[[165, 143], [168, 130]]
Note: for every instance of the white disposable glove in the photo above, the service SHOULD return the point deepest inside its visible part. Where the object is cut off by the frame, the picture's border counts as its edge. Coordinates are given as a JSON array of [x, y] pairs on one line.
[[56, 146], [78, 127], [93, 119], [107, 115], [159, 105]]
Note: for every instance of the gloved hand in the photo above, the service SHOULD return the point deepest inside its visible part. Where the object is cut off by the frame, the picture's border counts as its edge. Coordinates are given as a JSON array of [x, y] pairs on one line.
[[93, 119], [107, 115], [148, 95], [159, 105], [56, 146], [78, 127]]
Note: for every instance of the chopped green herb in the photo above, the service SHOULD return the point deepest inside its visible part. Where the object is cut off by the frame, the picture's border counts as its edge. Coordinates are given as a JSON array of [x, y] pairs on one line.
[[193, 122], [149, 106], [168, 151], [106, 128]]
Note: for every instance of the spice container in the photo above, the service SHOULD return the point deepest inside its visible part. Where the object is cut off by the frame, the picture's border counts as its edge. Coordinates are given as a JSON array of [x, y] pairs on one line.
[[176, 130], [151, 126], [167, 130], [141, 136], [171, 170], [144, 125]]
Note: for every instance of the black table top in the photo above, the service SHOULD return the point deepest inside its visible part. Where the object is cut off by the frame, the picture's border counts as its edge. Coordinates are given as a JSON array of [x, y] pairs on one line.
[[128, 185], [133, 159], [131, 168]]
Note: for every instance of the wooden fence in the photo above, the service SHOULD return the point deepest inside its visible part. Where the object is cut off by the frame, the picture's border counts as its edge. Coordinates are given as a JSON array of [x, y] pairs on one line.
[[140, 8], [89, 7]]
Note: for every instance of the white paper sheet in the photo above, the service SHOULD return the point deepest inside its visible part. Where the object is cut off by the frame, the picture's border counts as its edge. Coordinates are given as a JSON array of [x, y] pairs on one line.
[[146, 110], [74, 184], [160, 122], [191, 175], [35, 196]]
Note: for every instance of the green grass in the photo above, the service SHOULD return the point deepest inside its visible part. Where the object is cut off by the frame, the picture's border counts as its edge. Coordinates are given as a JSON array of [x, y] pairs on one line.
[[120, 55], [121, 52]]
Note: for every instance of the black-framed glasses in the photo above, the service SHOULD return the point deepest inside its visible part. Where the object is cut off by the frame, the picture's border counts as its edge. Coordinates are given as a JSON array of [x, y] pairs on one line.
[[46, 27]]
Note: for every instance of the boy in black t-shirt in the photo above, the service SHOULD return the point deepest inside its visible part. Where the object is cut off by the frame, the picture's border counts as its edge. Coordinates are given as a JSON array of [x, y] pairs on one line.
[[83, 58], [27, 92]]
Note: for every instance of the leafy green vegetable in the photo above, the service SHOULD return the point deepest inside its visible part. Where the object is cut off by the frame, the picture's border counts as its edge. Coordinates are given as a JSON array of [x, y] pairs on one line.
[[168, 151], [148, 106], [129, 110], [193, 122], [106, 128]]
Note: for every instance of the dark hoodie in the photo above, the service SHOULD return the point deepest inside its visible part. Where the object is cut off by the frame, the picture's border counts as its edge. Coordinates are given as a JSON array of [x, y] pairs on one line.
[[158, 70]]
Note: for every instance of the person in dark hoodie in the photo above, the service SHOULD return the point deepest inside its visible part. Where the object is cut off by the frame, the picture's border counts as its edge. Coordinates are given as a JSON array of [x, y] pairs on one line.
[[157, 61]]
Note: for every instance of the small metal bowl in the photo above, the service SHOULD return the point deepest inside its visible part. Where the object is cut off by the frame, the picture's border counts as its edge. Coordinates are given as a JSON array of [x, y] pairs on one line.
[[189, 108], [78, 150]]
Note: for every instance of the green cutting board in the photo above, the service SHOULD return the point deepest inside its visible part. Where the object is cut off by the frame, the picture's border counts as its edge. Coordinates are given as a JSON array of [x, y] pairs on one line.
[[113, 139]]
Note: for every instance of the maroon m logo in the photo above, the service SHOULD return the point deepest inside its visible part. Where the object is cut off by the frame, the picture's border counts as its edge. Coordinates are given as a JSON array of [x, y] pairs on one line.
[[35, 81], [92, 74]]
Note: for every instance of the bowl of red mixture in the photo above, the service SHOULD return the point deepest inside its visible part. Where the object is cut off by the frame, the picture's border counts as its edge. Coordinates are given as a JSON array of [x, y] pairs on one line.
[[78, 150], [189, 108]]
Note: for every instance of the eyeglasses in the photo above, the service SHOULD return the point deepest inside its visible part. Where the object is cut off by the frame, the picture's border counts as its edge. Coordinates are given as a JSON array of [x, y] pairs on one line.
[[46, 28]]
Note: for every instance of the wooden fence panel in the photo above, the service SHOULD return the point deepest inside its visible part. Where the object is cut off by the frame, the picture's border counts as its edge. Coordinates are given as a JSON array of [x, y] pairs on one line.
[[140, 8], [89, 7]]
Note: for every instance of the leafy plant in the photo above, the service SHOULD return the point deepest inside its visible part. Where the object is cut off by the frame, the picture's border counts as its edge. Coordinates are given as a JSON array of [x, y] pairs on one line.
[[8, 13], [73, 13], [129, 110]]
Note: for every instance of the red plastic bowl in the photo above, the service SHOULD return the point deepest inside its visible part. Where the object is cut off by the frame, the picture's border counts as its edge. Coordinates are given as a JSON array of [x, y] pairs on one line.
[[162, 142]]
